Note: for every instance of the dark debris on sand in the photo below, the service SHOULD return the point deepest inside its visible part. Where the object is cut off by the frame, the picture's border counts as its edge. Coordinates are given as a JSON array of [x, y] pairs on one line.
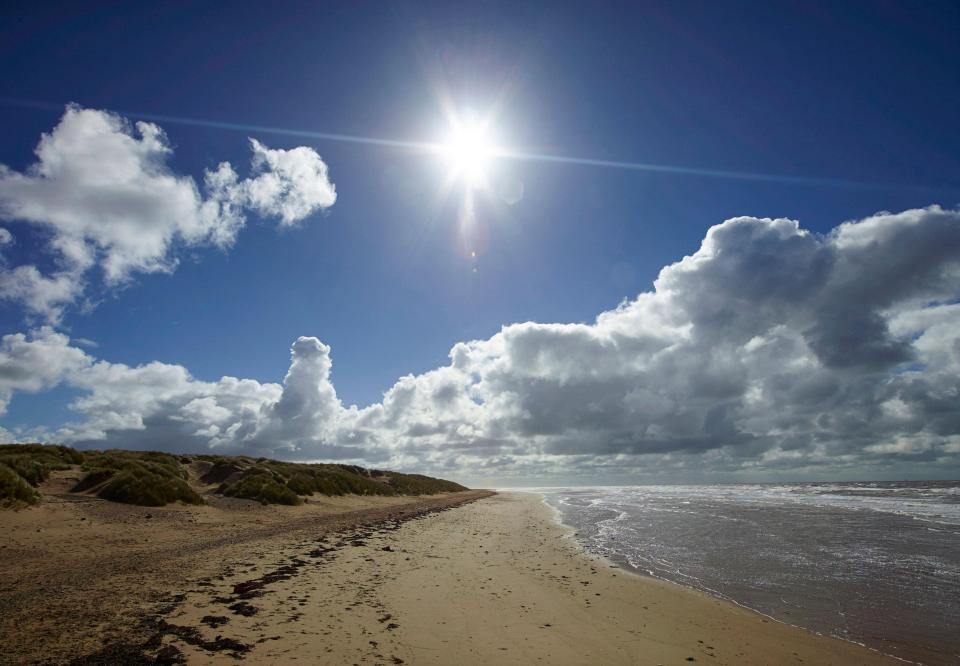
[[244, 609], [153, 652]]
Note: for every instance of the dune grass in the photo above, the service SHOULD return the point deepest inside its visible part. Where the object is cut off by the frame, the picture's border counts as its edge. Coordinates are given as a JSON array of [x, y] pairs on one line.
[[418, 484], [330, 480], [34, 462], [154, 478], [276, 482], [146, 478], [263, 485], [15, 492], [25, 466]]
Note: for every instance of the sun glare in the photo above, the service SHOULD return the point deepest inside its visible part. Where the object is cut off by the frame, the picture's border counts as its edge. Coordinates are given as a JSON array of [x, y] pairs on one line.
[[468, 152]]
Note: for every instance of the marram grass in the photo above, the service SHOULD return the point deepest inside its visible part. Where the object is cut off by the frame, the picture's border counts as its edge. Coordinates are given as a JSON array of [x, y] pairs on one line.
[[153, 478]]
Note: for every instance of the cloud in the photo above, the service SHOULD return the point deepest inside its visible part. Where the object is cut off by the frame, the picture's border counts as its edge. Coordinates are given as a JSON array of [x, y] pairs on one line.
[[308, 406], [290, 184], [36, 362], [768, 351], [135, 405], [40, 295], [102, 193], [161, 404]]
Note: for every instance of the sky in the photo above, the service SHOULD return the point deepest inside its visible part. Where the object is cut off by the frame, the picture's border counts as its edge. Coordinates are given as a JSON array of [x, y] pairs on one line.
[[504, 243]]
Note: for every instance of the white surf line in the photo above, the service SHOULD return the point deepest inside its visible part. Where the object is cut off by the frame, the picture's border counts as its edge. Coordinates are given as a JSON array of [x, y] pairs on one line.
[[582, 547]]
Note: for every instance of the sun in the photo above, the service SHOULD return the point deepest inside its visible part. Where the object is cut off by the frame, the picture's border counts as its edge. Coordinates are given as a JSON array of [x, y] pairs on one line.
[[468, 152]]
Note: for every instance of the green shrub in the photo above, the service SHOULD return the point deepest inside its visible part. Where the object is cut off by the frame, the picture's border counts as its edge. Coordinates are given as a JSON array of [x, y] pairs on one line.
[[34, 462], [14, 491], [328, 479], [146, 478], [32, 471], [144, 487], [302, 484], [262, 485], [221, 471], [161, 463], [58, 452], [154, 478], [418, 484], [263, 477], [93, 479]]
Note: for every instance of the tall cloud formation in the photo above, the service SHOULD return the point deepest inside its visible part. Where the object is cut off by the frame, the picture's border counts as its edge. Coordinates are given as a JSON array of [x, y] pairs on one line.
[[103, 193], [771, 350]]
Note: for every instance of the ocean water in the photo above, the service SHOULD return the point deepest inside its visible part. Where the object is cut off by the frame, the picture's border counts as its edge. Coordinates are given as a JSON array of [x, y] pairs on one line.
[[875, 563]]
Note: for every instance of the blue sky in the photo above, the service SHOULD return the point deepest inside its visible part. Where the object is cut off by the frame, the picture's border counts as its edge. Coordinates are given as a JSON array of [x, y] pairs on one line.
[[853, 92]]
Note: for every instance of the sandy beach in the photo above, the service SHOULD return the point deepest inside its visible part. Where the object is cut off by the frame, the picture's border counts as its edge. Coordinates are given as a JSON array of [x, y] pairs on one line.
[[480, 333], [366, 581], [85, 581]]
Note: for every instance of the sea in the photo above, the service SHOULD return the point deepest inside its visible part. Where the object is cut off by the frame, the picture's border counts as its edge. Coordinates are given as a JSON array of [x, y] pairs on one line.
[[873, 563]]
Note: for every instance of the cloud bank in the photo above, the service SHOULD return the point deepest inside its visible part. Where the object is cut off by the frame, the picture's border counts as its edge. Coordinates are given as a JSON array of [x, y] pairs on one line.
[[769, 351], [103, 197]]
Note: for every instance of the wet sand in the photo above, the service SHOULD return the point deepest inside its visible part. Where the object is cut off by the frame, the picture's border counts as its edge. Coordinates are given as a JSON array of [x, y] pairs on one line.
[[494, 581]]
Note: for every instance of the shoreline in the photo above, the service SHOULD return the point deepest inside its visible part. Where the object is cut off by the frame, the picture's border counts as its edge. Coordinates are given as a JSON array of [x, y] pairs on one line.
[[492, 581], [470, 578], [585, 552]]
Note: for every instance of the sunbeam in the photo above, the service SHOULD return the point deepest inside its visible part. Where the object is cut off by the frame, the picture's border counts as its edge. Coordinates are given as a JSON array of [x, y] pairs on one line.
[[510, 154]]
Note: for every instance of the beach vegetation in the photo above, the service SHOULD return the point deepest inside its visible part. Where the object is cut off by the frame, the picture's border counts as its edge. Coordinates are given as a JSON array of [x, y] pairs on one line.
[[145, 478], [263, 485], [23, 467], [34, 462], [155, 478], [418, 484], [332, 480], [15, 492]]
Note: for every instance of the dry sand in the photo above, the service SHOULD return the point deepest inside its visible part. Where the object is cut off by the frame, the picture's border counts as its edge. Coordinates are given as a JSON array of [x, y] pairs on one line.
[[78, 573], [492, 582], [353, 581]]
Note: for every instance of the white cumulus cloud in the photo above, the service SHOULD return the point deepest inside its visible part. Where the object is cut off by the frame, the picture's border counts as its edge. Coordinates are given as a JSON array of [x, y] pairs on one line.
[[102, 192], [36, 362], [770, 350], [289, 184]]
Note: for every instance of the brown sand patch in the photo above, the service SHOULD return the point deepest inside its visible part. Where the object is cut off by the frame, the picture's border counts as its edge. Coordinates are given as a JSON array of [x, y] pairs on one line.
[[79, 574]]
